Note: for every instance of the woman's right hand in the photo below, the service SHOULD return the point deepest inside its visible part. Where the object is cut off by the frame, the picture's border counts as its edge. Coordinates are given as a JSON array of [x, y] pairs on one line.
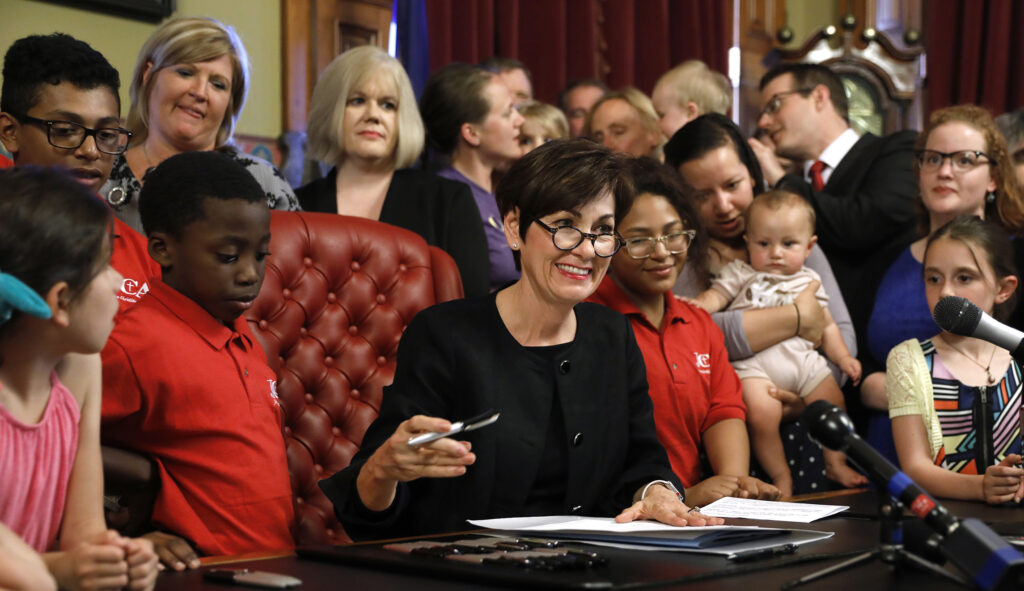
[[1004, 481], [396, 461], [811, 314]]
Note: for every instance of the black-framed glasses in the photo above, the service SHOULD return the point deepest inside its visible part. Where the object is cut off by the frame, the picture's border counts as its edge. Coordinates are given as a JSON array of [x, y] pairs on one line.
[[568, 237], [775, 102], [961, 160], [675, 243], [69, 136]]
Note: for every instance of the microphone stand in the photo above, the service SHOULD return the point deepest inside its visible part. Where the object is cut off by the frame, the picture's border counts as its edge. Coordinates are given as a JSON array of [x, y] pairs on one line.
[[889, 550]]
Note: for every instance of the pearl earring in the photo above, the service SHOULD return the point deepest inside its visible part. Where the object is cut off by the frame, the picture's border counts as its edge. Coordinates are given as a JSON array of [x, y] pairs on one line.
[[515, 246], [990, 196]]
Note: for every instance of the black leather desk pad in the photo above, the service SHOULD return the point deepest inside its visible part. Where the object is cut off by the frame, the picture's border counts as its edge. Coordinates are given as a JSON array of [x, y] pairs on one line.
[[630, 569]]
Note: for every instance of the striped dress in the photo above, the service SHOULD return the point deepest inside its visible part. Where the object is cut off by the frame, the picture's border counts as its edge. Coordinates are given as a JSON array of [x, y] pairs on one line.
[[965, 411]]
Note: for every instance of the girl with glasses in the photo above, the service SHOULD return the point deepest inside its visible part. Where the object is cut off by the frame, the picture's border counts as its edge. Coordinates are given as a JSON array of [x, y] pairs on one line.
[[698, 405]]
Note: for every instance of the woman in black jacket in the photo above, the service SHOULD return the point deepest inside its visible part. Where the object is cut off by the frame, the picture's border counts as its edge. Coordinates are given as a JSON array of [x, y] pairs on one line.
[[363, 120], [576, 432]]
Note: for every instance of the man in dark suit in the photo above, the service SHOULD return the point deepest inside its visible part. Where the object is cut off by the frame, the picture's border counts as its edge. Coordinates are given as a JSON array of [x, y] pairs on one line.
[[862, 187]]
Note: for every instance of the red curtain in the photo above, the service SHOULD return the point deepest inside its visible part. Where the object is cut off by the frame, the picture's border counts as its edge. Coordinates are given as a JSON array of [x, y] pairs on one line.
[[622, 42], [975, 53]]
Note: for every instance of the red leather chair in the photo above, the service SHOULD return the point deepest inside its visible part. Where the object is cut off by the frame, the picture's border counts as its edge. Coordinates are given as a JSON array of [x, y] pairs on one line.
[[338, 293]]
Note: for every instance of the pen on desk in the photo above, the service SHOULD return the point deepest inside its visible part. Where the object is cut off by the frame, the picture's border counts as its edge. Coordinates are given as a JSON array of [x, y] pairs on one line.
[[760, 553]]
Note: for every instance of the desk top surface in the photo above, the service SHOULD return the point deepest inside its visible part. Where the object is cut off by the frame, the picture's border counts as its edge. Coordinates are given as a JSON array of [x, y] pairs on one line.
[[855, 531]]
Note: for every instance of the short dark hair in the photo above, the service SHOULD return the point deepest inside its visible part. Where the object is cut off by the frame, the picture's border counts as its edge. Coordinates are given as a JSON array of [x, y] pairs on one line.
[[991, 238], [52, 229], [499, 64], [810, 76], [651, 176], [562, 175], [574, 84], [452, 96], [173, 195], [51, 59], [707, 133]]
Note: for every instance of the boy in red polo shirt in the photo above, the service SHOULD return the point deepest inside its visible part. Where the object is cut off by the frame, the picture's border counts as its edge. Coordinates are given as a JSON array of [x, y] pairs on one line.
[[184, 380], [60, 107]]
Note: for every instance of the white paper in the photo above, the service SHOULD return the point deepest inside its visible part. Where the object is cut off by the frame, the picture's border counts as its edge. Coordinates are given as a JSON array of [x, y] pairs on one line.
[[733, 507], [608, 525], [595, 524]]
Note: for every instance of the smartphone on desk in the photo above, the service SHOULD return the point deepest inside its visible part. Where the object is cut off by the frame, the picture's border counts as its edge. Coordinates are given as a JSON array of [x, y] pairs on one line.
[[252, 578], [481, 420]]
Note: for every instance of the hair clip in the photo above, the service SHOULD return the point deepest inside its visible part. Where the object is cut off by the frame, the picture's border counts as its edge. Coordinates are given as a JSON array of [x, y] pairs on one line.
[[15, 295]]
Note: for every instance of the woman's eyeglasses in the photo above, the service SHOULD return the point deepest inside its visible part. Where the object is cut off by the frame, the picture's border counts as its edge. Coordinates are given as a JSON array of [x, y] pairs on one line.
[[69, 136], [568, 237], [961, 160], [675, 243]]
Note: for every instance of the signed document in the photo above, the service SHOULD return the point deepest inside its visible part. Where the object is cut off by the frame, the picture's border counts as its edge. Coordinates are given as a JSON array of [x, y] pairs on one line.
[[736, 508]]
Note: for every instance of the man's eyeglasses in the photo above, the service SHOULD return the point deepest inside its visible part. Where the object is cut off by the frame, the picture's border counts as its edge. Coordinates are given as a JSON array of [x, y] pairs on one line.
[[961, 160], [775, 102], [568, 237], [675, 243], [69, 136]]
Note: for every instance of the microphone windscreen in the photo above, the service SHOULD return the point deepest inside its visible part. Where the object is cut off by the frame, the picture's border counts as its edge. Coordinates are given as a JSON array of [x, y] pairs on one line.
[[826, 424], [957, 315]]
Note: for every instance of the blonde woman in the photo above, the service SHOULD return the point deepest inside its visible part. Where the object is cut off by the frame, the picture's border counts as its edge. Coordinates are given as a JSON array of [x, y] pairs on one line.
[[541, 124], [188, 89], [625, 121], [364, 122]]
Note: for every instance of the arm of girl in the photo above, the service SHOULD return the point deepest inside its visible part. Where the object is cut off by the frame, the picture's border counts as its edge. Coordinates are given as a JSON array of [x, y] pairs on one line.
[[21, 569], [999, 483], [728, 449], [91, 555]]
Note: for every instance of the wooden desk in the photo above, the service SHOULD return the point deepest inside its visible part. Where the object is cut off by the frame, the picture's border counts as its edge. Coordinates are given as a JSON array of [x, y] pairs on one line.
[[853, 533]]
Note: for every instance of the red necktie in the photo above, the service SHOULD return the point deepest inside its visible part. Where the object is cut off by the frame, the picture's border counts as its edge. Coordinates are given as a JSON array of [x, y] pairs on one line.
[[816, 180]]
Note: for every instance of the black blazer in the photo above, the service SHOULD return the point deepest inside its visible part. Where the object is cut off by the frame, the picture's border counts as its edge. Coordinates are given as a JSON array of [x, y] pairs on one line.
[[457, 360], [440, 210], [866, 206]]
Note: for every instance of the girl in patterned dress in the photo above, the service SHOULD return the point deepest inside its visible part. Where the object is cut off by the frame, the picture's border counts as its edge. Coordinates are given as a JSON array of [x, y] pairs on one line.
[[955, 401]]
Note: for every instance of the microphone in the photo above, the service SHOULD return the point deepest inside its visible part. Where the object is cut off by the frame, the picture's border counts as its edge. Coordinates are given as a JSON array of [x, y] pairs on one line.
[[960, 317], [991, 562], [831, 427]]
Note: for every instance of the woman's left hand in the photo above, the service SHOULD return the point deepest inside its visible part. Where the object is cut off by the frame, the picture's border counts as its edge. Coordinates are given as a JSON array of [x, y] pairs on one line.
[[663, 505]]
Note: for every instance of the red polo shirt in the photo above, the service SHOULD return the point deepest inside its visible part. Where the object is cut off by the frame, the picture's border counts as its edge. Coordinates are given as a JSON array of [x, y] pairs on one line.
[[131, 259], [199, 398], [689, 377]]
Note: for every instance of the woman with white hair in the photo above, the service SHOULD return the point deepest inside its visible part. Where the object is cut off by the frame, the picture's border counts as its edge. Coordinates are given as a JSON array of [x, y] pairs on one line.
[[187, 92], [363, 120]]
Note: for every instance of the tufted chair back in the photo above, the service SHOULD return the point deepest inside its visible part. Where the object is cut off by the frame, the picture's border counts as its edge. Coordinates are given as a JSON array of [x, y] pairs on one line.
[[338, 293]]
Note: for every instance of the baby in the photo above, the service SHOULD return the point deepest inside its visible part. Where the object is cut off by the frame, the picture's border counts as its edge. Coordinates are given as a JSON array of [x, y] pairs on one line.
[[780, 236]]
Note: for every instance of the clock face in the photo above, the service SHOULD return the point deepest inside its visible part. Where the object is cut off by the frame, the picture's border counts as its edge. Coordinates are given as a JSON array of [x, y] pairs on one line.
[[866, 114]]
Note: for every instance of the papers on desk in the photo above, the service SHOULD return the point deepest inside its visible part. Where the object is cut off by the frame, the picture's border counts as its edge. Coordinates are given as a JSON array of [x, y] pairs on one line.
[[736, 508], [725, 540]]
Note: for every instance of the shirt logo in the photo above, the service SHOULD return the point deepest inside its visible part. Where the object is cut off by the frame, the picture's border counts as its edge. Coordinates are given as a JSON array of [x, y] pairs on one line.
[[703, 361], [273, 392], [132, 289]]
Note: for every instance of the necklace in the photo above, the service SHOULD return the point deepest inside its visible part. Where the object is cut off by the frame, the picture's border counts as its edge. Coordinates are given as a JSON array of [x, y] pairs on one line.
[[149, 162], [987, 368]]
